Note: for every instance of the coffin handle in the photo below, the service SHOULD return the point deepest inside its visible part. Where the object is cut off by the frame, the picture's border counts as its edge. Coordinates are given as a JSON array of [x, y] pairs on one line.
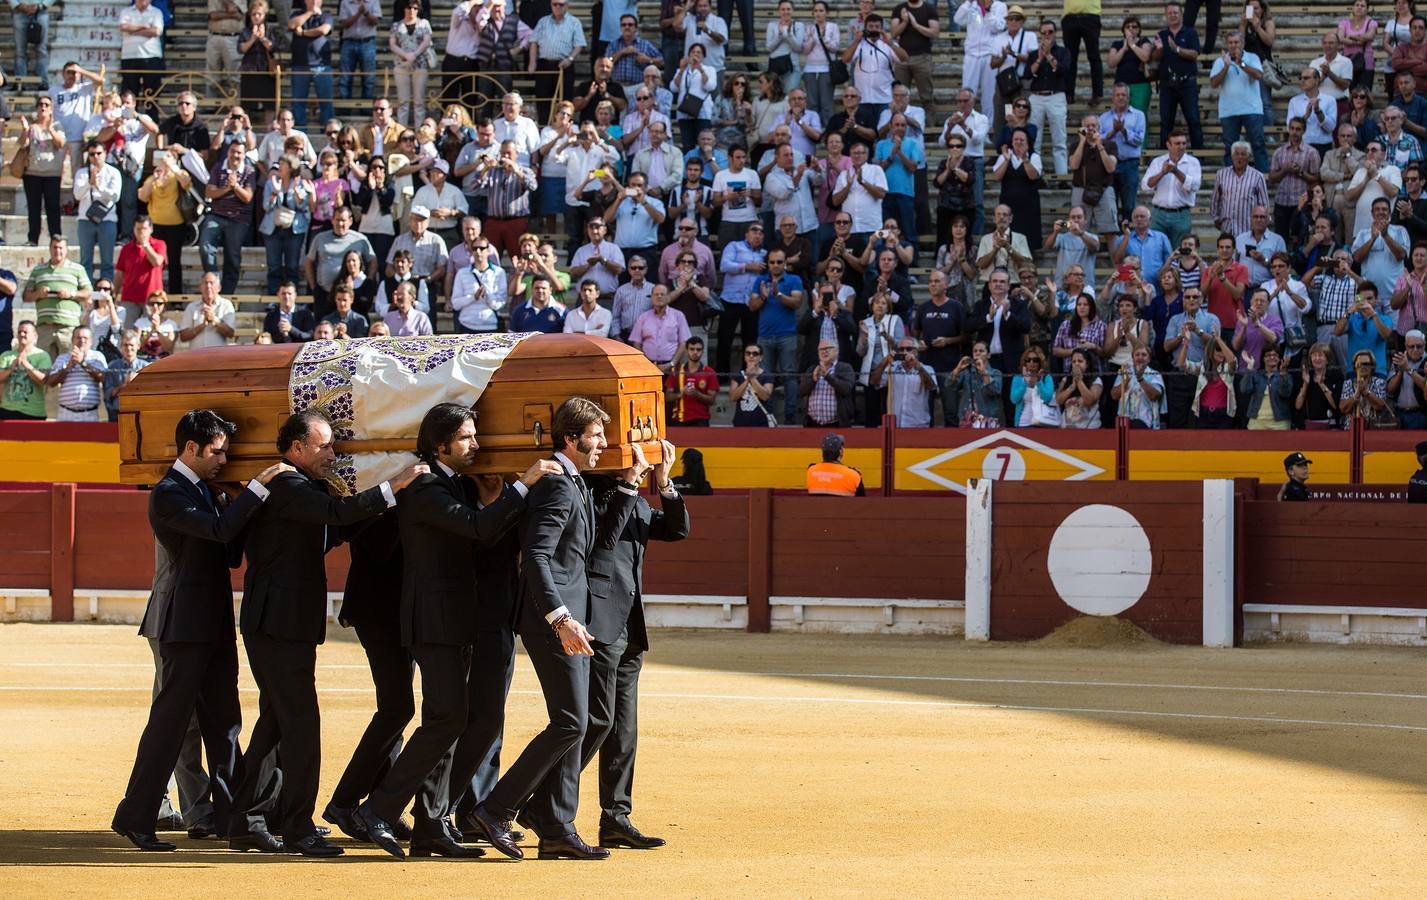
[[539, 433]]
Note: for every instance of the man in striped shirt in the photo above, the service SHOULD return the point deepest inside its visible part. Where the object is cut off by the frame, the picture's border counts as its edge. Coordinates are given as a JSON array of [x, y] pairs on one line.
[[1237, 188], [507, 185], [557, 41]]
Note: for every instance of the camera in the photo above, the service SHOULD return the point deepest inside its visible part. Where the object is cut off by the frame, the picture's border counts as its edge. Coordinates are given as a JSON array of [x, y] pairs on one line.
[[1061, 223]]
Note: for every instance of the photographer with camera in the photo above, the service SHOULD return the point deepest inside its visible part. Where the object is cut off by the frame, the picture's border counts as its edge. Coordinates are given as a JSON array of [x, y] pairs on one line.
[[1002, 248], [972, 397], [909, 385], [1092, 175], [1139, 240], [1365, 328], [1074, 246], [1139, 391]]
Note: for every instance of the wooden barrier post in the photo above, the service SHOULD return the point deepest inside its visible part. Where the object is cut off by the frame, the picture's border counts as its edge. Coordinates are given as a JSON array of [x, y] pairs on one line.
[[1122, 448], [760, 560], [1356, 447], [889, 454], [62, 552]]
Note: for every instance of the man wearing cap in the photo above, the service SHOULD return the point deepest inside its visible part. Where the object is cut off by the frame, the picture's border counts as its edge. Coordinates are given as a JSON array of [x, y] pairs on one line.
[[1296, 487], [830, 478], [445, 202], [428, 252], [1417, 484]]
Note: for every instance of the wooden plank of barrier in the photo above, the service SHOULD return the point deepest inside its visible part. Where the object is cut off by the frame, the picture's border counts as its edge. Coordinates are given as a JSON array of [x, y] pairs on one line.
[[760, 560], [27, 540], [62, 552]]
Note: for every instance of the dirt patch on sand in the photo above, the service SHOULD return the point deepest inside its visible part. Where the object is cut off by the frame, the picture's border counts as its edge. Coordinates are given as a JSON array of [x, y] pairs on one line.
[[1098, 631]]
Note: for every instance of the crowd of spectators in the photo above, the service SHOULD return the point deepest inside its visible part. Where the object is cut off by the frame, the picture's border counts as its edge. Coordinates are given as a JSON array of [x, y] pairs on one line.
[[762, 231]]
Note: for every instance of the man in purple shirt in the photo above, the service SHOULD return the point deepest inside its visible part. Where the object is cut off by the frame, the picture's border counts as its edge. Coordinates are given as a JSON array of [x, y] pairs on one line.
[[660, 331], [404, 319], [230, 198]]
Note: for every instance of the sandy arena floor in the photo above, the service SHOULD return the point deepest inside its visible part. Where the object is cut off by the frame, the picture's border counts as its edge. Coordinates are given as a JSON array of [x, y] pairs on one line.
[[791, 765]]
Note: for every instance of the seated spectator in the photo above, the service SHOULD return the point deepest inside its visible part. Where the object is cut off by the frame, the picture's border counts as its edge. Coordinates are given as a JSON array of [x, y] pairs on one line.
[[589, 317], [1365, 329], [78, 375], [1266, 391], [1051, 307], [660, 331], [1406, 386], [1256, 330], [749, 389], [1312, 206], [1079, 394], [403, 274], [379, 329], [976, 387], [323, 332], [404, 319], [157, 335], [541, 312], [230, 189], [237, 128], [209, 320], [1082, 331], [1380, 248], [479, 292], [1258, 245], [1363, 395], [120, 371], [22, 394], [1139, 391], [1317, 251], [346, 322], [692, 387], [828, 389], [1410, 209], [889, 237], [1032, 393], [285, 321]]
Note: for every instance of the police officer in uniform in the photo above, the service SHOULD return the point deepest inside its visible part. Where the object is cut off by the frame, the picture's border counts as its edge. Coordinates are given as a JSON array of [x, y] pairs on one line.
[[1417, 485], [830, 477], [1296, 487]]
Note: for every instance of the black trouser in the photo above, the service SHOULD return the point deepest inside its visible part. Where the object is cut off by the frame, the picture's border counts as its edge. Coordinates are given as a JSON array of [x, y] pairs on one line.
[[42, 189], [456, 80], [142, 76], [745, 22], [735, 316], [475, 768], [285, 671], [613, 730], [545, 779], [380, 744], [1179, 399], [423, 770], [1084, 28], [1173, 97], [1211, 22], [174, 237], [201, 677]]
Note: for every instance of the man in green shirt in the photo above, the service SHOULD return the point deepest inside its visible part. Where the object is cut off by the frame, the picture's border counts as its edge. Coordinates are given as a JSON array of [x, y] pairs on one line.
[[60, 291], [22, 377]]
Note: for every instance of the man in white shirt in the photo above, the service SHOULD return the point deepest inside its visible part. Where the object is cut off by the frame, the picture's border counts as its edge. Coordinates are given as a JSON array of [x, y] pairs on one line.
[[79, 374], [141, 57], [270, 148], [514, 125], [972, 126], [859, 192], [583, 157], [598, 260], [1318, 111], [447, 204], [73, 102], [1174, 179], [1374, 178], [703, 27], [589, 317], [985, 24], [478, 292], [791, 188], [208, 321], [870, 58], [1333, 68]]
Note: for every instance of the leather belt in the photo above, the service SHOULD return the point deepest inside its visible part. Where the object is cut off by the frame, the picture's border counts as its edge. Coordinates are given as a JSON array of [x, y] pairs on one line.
[[1045, 93], [1172, 209], [76, 409]]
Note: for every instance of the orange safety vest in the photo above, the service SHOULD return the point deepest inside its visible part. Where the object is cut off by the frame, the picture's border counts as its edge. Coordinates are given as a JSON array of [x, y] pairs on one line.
[[835, 479]]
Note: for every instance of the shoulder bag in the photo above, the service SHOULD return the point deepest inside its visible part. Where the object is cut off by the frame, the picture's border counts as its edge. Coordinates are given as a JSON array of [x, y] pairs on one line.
[[772, 422], [1294, 336], [20, 161], [836, 69]]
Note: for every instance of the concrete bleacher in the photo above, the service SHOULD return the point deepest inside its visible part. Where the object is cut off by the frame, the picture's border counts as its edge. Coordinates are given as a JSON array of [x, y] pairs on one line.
[[87, 30]]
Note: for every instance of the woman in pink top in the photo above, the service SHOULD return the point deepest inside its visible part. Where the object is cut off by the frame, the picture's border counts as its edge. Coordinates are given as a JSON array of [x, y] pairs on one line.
[[331, 192], [1357, 32], [831, 167]]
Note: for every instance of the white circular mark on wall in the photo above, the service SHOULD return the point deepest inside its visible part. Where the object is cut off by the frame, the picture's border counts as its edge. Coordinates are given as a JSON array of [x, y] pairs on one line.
[[1099, 560], [1004, 464]]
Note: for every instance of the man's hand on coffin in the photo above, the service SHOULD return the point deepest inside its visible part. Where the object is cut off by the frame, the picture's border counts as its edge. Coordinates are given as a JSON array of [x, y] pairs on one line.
[[639, 468], [666, 465], [539, 470], [272, 472], [408, 475]]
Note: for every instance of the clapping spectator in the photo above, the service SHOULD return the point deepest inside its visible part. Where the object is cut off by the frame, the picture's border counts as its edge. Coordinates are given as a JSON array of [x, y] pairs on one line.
[[1380, 249], [1258, 245], [157, 335], [1032, 394], [1316, 399], [78, 375], [1295, 167], [288, 202], [1266, 391], [1238, 188], [285, 321], [1333, 68], [1081, 331], [1237, 74], [1019, 171], [695, 85], [1318, 111], [1312, 206], [1176, 49], [1215, 402], [44, 145], [105, 319], [1365, 329], [1139, 391], [1405, 385], [97, 186], [1256, 330], [1289, 301], [1079, 394], [1364, 392]]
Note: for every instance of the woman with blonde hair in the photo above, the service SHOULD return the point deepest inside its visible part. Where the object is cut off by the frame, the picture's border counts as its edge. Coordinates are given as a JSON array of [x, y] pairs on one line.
[[457, 131], [550, 195], [257, 89], [1035, 381]]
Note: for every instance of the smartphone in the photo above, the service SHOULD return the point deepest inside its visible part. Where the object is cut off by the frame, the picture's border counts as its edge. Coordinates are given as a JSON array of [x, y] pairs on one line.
[[598, 173]]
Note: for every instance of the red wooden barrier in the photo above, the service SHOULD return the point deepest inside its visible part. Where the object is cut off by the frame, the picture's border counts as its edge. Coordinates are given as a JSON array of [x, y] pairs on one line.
[[62, 553], [26, 517]]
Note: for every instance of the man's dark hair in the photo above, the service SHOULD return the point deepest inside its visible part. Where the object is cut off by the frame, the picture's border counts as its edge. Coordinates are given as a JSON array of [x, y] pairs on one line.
[[871, 18], [1367, 287], [1224, 236], [588, 282], [201, 426], [540, 279], [93, 144], [439, 426], [297, 426], [572, 418], [694, 340]]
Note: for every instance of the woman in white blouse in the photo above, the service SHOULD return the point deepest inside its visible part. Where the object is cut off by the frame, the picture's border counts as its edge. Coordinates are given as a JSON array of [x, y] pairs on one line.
[[784, 40], [817, 80], [1288, 299], [694, 82]]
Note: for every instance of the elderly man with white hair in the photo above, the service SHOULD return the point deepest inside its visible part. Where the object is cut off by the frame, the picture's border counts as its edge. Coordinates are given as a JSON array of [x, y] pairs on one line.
[[514, 125], [1238, 188], [1408, 381]]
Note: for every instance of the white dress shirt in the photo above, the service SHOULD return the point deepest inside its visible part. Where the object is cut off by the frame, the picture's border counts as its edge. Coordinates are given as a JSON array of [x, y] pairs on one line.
[[1170, 193]]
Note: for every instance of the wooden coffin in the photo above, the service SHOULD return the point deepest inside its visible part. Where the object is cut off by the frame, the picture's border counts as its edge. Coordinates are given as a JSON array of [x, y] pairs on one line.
[[249, 385]]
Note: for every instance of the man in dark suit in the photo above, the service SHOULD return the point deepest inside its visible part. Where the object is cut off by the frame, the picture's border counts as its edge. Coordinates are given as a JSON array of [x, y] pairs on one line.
[[1003, 320], [556, 537], [439, 517], [620, 639], [284, 618], [827, 388], [190, 613]]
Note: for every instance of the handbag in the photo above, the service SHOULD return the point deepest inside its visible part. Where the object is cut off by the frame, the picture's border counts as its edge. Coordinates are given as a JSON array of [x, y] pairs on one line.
[[284, 216], [98, 212], [20, 161], [781, 65], [1046, 415], [1008, 83], [1273, 75], [836, 69], [690, 105], [1295, 337], [974, 418], [772, 422]]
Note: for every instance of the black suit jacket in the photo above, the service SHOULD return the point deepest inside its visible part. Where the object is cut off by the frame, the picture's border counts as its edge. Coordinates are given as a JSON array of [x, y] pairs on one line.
[[1014, 327], [555, 541], [373, 593], [439, 520], [627, 525], [498, 584], [285, 587], [192, 596], [841, 378], [810, 327], [300, 324]]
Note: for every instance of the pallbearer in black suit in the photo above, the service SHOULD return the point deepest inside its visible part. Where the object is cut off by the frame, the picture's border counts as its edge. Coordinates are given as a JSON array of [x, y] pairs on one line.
[[556, 537], [440, 516], [620, 639], [190, 612], [284, 618]]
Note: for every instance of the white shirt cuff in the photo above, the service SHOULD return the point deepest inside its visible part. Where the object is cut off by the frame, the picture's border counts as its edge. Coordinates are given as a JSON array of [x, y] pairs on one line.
[[257, 488], [552, 616], [669, 494], [521, 489], [388, 495]]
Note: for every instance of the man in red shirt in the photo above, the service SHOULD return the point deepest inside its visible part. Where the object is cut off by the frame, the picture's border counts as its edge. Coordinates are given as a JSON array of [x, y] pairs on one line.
[[1224, 282], [140, 268], [691, 386]]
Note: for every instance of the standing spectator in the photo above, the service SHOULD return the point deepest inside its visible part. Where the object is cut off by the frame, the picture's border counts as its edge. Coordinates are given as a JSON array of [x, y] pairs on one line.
[[1356, 34], [1295, 169], [1317, 110], [749, 389], [1214, 403], [1401, 148], [692, 387], [1259, 29], [1405, 385], [463, 41], [828, 388], [972, 397], [854, 123], [1236, 74], [554, 46], [986, 23], [428, 252], [139, 273], [631, 54], [940, 326], [1224, 282], [695, 84], [286, 322], [1375, 179], [274, 143], [599, 260], [1365, 329], [1211, 21], [911, 384], [256, 85], [1289, 301], [157, 335], [444, 201], [639, 124], [59, 288], [741, 263], [955, 181], [479, 292], [44, 144], [738, 191], [1256, 330], [661, 164], [1174, 179], [870, 59], [791, 189], [636, 216], [78, 374], [1336, 172], [1081, 21], [1050, 73], [775, 299], [230, 196], [1238, 188], [746, 23], [141, 53], [783, 40], [1266, 392], [1092, 175], [821, 40], [1187, 339], [1019, 169], [22, 395], [1032, 393], [1149, 245], [96, 187], [1124, 129], [1002, 320], [225, 21], [74, 100], [1380, 248], [915, 27], [288, 202], [1411, 56], [358, 20], [1364, 393], [1258, 245], [660, 331], [1002, 248], [126, 132], [410, 42], [1396, 30], [120, 371], [589, 317], [860, 191], [899, 155], [28, 14], [1317, 397], [1335, 70], [632, 298], [1176, 49], [311, 61], [1131, 56], [1079, 393], [209, 320], [972, 127], [327, 251], [1074, 245]]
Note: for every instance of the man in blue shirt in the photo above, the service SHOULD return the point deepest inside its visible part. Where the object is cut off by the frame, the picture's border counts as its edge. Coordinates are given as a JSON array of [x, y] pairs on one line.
[[1123, 128], [635, 217], [899, 155], [742, 263], [776, 298], [1237, 73], [541, 313], [1138, 239], [1411, 104]]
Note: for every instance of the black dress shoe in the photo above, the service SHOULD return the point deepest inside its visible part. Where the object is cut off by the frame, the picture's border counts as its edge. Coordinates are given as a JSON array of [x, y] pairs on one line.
[[345, 818], [443, 845], [313, 845], [623, 834], [146, 841], [496, 832], [400, 829], [173, 822], [471, 833], [379, 832], [262, 841], [203, 829], [570, 846]]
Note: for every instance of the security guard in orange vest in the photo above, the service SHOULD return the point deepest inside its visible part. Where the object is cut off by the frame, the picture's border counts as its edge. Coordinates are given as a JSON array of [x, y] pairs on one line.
[[830, 477]]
